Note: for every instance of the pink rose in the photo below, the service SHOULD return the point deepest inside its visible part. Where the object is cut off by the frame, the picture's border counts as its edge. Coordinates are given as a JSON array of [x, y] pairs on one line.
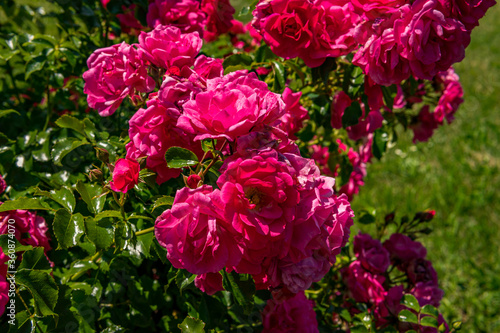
[[341, 101], [176, 91], [167, 47], [373, 9], [125, 175], [30, 229], [427, 293], [114, 73], [128, 22], [231, 107], [363, 285], [429, 39], [388, 310], [365, 126], [371, 254], [152, 131], [321, 155], [220, 14], [196, 236], [295, 314], [209, 283], [300, 276], [208, 68], [295, 114], [451, 98], [469, 11], [287, 27], [424, 126], [421, 270], [3, 185], [183, 14], [403, 249]]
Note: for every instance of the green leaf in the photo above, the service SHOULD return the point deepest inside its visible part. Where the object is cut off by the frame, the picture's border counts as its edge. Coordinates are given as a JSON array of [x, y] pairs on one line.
[[429, 310], [34, 65], [7, 54], [6, 239], [25, 323], [91, 194], [44, 39], [163, 201], [184, 279], [192, 325], [380, 140], [410, 302], [242, 287], [100, 236], [108, 213], [366, 218], [178, 157], [279, 76], [35, 259], [352, 114], [68, 228], [406, 316], [64, 147], [70, 56], [389, 94], [264, 53], [239, 59], [428, 321], [64, 196], [4, 113], [43, 289], [25, 204], [67, 121]]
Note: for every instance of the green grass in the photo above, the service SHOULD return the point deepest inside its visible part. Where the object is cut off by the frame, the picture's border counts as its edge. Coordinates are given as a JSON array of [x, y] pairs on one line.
[[457, 174]]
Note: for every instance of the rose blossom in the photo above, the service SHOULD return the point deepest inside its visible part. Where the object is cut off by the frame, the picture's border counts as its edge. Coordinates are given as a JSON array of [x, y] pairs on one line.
[[363, 285], [295, 314], [341, 101], [196, 236], [424, 125], [209, 283], [469, 11], [230, 107], [3, 185], [114, 73], [287, 26], [430, 40], [220, 14], [168, 47], [183, 14], [295, 114], [208, 68], [373, 9], [30, 229], [125, 175], [403, 249], [321, 155], [128, 22], [427, 293], [371, 254]]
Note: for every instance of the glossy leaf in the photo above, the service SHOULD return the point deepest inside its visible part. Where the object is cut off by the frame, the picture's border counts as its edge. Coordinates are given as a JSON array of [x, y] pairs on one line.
[[410, 302], [91, 194], [406, 316], [178, 157], [428, 321], [42, 288], [192, 325], [64, 147], [35, 259], [24, 203], [68, 228]]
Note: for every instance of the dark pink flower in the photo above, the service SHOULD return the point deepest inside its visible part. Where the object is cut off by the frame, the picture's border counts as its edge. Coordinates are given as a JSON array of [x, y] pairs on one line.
[[421, 270], [373, 9], [219, 18], [429, 39], [209, 283], [403, 249], [300, 276], [427, 293], [128, 22], [3, 185], [114, 73], [208, 68], [30, 229], [365, 126], [295, 314], [387, 311], [321, 155], [371, 254], [341, 101], [125, 175], [295, 114], [183, 14], [194, 233], [469, 11], [168, 47], [424, 126], [451, 98], [287, 27], [230, 107], [364, 286]]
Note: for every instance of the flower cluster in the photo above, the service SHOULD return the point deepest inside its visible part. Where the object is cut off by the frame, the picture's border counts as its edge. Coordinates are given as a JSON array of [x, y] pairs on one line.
[[392, 40], [368, 278]]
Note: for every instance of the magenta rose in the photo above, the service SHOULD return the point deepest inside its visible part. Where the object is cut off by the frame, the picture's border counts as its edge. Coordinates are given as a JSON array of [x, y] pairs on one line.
[[195, 234], [371, 254], [469, 11], [230, 107], [209, 283], [388, 310], [128, 22], [295, 314], [421, 270], [364, 286], [208, 68], [287, 27], [427, 293], [167, 47], [219, 18], [183, 14], [125, 175], [402, 249], [451, 98], [292, 120], [373, 9], [30, 229], [321, 155], [341, 101], [300, 276], [424, 125], [114, 73], [3, 185], [429, 39]]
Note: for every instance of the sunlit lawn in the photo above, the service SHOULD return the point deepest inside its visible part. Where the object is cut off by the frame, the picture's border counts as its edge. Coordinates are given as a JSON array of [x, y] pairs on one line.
[[457, 174]]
